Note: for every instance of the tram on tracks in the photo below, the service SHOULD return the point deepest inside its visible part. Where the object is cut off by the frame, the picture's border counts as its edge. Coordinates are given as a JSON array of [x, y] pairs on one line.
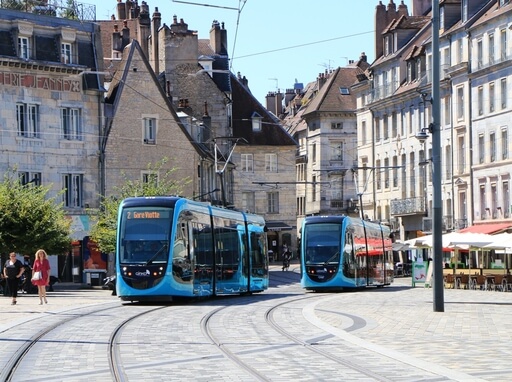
[[340, 252], [169, 247]]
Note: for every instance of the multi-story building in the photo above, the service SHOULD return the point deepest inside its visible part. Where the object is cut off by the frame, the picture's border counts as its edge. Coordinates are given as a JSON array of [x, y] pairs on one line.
[[322, 119], [218, 111], [51, 108], [394, 110]]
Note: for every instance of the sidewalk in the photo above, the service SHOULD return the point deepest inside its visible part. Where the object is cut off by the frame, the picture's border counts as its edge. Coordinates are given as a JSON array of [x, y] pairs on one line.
[[64, 296]]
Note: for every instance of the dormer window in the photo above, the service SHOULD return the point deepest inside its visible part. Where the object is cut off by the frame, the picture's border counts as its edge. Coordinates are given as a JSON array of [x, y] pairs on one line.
[[388, 44], [256, 121], [23, 48], [68, 38], [66, 53], [411, 71]]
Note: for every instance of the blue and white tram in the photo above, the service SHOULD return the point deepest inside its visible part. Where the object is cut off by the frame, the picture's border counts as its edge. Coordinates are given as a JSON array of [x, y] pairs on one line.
[[340, 252], [174, 247]]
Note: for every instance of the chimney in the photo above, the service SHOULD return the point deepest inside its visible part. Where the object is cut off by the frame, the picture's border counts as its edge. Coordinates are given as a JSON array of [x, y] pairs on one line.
[[421, 7], [271, 102], [125, 34], [117, 43], [363, 57], [402, 10], [383, 18], [154, 56], [121, 10]]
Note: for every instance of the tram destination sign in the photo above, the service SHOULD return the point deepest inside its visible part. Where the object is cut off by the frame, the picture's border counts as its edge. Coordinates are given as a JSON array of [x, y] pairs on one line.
[[147, 214]]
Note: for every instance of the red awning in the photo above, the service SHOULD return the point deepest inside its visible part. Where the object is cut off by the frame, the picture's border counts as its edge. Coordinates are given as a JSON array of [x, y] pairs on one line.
[[489, 229]]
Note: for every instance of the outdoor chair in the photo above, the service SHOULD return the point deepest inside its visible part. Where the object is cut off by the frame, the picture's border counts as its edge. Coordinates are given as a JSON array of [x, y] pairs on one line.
[[480, 282], [462, 281], [498, 283], [449, 281]]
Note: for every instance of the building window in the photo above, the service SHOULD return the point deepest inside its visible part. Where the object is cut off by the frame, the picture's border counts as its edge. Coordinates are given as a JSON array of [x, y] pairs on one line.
[[492, 144], [506, 200], [271, 162], [481, 148], [503, 44], [272, 202], [460, 103], [386, 173], [479, 54], [337, 151], [23, 48], [491, 48], [378, 176], [29, 178], [66, 52], [248, 204], [504, 144], [492, 97], [73, 190], [363, 133], [394, 125], [313, 188], [313, 152], [70, 122], [149, 131], [447, 111], [336, 125], [503, 93], [395, 171], [448, 161], [483, 211], [480, 99], [150, 179], [247, 163], [27, 120], [461, 154]]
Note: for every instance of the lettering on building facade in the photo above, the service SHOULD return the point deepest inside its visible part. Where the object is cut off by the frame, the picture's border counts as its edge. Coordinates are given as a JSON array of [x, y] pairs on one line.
[[40, 82]]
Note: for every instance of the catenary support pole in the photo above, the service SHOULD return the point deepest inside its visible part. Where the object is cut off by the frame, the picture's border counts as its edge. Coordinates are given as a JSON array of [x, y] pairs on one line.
[[437, 207]]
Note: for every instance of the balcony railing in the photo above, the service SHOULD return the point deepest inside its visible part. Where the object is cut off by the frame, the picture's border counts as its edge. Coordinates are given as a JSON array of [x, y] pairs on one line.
[[66, 9]]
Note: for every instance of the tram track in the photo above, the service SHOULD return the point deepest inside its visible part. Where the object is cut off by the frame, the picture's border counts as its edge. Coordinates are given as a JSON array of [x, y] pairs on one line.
[[114, 356], [363, 369], [10, 368], [208, 333]]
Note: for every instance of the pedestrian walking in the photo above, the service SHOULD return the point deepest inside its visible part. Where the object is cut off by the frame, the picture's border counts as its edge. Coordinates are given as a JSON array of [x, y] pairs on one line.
[[13, 269], [41, 271], [287, 256]]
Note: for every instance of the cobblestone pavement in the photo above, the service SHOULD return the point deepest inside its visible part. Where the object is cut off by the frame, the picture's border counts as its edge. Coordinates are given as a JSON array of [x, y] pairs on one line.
[[470, 340]]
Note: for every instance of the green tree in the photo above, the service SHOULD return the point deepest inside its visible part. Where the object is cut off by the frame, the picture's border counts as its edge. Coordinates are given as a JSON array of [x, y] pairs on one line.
[[30, 220], [104, 231]]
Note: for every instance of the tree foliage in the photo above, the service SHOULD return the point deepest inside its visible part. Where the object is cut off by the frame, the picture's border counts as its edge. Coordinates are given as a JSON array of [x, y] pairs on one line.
[[30, 220], [104, 231]]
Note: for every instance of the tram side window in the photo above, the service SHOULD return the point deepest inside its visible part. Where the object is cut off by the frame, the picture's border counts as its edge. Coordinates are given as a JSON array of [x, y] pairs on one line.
[[228, 246], [181, 260], [349, 256], [257, 250]]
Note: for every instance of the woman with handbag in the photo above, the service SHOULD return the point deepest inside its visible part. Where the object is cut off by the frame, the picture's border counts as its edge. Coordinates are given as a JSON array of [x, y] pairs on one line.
[[41, 274], [13, 270]]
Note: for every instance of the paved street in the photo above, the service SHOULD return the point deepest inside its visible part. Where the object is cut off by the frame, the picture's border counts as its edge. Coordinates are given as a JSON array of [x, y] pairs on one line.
[[469, 341]]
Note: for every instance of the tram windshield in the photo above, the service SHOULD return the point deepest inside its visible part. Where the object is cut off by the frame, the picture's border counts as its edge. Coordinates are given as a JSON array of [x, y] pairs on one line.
[[322, 243], [144, 235]]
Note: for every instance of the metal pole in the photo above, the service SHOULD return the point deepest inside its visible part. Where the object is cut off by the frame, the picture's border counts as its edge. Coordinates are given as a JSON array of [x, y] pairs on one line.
[[437, 208]]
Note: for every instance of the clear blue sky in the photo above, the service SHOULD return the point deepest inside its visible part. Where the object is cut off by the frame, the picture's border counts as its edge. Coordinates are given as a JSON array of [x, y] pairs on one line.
[[275, 42]]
